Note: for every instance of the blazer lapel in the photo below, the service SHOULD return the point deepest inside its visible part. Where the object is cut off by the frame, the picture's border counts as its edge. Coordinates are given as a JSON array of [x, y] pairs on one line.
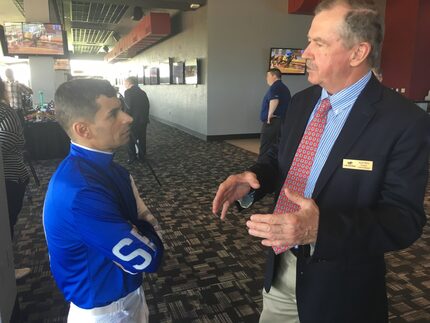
[[361, 114]]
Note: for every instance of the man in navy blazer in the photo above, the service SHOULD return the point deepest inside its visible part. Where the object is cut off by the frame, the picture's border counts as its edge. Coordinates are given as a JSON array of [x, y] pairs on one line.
[[137, 104], [364, 195]]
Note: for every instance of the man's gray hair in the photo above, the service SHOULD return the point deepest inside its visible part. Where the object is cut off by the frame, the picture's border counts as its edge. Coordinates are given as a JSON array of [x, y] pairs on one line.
[[132, 80], [363, 22]]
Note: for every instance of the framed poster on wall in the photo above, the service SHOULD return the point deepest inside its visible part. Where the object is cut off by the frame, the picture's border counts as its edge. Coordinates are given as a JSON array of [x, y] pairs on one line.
[[178, 72], [191, 71], [146, 75], [154, 76], [165, 71], [140, 77]]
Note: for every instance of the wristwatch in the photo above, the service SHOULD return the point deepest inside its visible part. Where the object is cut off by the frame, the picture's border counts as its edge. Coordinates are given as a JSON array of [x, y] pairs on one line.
[[246, 201]]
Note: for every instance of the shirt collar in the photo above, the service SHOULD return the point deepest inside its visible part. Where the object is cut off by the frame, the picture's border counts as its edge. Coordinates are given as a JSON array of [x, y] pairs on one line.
[[97, 156], [346, 97]]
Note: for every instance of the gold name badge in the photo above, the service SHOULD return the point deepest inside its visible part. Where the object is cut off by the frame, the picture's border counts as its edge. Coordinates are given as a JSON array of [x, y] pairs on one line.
[[358, 164]]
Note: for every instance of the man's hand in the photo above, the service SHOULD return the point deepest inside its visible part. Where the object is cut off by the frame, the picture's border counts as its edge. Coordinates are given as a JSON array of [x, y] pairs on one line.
[[233, 188], [289, 229]]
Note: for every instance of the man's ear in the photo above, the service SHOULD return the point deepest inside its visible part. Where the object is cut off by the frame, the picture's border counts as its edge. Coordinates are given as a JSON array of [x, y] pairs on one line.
[[81, 129], [360, 53]]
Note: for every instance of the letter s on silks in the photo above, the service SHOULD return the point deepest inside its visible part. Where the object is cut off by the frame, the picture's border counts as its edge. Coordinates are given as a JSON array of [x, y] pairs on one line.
[[136, 253]]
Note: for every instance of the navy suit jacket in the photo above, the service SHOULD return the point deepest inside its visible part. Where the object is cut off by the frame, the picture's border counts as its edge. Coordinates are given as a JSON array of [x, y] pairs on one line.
[[138, 105], [363, 214]]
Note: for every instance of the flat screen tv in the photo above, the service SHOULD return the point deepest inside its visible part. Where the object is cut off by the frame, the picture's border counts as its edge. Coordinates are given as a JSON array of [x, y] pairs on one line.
[[154, 76], [191, 71], [35, 39], [178, 76], [165, 72], [288, 60], [146, 75]]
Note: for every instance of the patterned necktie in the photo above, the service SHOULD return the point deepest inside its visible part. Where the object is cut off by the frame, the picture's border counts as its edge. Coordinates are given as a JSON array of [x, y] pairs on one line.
[[301, 167]]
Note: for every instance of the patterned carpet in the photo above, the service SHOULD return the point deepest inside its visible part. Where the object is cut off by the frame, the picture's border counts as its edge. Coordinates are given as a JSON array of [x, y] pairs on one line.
[[213, 270]]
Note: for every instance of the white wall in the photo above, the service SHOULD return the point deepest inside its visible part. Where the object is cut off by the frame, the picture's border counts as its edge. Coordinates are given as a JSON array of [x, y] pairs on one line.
[[182, 105], [233, 38], [241, 33]]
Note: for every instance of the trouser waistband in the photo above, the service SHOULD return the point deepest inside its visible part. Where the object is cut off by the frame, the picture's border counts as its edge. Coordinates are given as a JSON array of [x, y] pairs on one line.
[[110, 308]]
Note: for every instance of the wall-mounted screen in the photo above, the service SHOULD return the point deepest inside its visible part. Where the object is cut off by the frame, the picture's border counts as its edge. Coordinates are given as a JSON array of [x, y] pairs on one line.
[[140, 77], [146, 75], [288, 60], [165, 72], [191, 71], [178, 73], [34, 39], [153, 76]]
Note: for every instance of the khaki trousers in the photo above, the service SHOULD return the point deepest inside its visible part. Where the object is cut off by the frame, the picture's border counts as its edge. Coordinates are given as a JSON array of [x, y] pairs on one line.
[[280, 305]]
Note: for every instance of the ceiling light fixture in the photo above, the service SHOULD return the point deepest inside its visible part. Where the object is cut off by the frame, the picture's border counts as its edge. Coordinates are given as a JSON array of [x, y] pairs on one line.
[[194, 5]]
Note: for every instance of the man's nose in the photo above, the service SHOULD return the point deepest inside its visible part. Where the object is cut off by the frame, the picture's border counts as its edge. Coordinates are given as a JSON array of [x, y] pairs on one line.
[[306, 52], [127, 118]]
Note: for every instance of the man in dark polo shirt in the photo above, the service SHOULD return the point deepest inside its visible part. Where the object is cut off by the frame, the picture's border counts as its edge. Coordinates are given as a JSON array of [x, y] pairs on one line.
[[273, 109]]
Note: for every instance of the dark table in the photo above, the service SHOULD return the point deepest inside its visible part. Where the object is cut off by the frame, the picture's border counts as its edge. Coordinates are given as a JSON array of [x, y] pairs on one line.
[[45, 140]]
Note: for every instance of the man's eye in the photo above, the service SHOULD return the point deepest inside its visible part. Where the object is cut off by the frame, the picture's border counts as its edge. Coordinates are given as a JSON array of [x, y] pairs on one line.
[[114, 113]]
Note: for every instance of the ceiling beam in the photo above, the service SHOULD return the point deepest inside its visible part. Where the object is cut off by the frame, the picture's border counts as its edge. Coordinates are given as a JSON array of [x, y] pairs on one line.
[[151, 4]]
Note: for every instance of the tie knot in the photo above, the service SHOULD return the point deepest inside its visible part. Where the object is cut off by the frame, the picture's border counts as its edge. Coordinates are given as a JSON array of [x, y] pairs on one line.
[[324, 106]]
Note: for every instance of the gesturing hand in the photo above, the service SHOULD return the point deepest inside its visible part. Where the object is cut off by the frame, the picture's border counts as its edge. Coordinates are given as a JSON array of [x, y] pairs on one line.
[[289, 229], [232, 189]]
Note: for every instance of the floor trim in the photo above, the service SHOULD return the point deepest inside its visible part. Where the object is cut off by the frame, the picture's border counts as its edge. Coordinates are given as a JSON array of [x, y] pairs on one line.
[[207, 137]]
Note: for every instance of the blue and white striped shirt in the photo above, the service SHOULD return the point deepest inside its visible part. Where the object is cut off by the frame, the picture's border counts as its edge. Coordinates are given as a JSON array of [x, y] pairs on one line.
[[341, 103]]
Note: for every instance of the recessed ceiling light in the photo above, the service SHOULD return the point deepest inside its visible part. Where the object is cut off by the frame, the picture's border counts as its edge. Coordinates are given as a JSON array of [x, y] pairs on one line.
[[194, 6]]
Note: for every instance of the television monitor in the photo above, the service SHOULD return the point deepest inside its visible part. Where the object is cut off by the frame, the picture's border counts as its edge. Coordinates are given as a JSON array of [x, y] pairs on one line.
[[140, 77], [165, 74], [178, 73], [191, 71], [146, 75], [288, 60], [35, 39], [153, 76]]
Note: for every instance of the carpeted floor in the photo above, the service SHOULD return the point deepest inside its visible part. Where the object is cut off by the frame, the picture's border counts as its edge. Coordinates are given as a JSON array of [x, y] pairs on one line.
[[213, 270]]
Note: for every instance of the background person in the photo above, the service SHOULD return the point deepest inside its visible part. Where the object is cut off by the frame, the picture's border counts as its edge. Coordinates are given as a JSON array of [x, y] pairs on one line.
[[98, 245], [15, 171], [138, 107], [350, 174], [15, 92], [273, 109]]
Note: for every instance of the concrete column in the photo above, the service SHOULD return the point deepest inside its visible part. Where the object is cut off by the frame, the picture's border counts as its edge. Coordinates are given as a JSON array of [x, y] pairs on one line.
[[41, 68]]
